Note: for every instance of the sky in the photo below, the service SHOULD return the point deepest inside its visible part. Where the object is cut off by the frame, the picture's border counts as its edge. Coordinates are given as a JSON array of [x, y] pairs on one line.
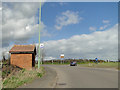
[[78, 29]]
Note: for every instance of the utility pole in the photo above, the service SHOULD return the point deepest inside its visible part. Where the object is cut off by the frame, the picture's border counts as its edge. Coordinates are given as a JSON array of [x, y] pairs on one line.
[[41, 55], [39, 35]]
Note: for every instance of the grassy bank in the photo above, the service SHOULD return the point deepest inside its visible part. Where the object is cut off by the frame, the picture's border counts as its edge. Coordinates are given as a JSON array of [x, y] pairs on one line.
[[23, 77]]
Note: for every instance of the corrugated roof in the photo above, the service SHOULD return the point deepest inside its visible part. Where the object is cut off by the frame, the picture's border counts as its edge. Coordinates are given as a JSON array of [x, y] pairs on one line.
[[22, 48]]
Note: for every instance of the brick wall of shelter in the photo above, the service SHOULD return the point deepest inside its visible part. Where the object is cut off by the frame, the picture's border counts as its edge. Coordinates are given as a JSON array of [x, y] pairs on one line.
[[22, 60]]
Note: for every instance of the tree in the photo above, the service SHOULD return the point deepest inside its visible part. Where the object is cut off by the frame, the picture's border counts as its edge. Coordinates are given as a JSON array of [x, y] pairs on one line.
[[3, 56]]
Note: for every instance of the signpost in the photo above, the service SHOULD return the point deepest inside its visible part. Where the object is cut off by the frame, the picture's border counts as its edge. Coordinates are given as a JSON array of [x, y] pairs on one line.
[[61, 56], [52, 61], [96, 60], [42, 46]]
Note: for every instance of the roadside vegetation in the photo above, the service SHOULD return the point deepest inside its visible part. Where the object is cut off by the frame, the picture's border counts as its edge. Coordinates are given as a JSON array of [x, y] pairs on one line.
[[14, 77], [86, 63], [101, 65]]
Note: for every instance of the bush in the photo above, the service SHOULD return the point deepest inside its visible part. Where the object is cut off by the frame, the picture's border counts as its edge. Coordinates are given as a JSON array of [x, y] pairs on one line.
[[39, 74]]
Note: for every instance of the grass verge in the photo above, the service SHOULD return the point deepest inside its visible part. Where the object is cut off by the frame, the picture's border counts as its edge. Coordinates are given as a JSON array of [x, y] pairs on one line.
[[101, 65], [23, 77], [115, 65]]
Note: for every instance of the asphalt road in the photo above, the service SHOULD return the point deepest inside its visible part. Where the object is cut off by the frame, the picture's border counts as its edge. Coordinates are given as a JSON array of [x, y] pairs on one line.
[[47, 81], [81, 77]]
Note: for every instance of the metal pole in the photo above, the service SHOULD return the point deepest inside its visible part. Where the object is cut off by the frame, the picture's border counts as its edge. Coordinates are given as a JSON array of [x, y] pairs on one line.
[[39, 35], [52, 61], [41, 55], [61, 60]]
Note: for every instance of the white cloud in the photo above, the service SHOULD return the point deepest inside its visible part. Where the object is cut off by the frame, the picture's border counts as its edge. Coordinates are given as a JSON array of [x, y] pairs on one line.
[[28, 28], [49, 58], [20, 22], [103, 27], [6, 51], [106, 24], [101, 44], [0, 8], [92, 28], [62, 3], [67, 18], [106, 21]]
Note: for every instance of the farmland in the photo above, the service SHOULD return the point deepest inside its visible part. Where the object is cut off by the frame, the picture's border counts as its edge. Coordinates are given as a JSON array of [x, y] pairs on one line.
[[86, 63]]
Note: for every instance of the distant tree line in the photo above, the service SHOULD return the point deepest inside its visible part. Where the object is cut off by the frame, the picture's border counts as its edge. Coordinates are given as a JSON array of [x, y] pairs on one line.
[[77, 60]]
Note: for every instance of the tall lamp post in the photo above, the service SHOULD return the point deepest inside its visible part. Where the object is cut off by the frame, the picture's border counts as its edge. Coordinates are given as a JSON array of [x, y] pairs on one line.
[[39, 36]]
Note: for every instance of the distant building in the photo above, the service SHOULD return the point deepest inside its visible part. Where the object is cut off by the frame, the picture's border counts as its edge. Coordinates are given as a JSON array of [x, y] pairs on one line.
[[23, 56]]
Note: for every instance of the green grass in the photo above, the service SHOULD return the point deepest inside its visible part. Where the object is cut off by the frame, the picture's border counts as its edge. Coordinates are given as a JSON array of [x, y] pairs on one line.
[[22, 77], [91, 64], [101, 65], [65, 63]]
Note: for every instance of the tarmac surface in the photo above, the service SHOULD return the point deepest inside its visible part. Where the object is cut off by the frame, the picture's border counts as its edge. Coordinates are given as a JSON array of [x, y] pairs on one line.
[[65, 76], [47, 81]]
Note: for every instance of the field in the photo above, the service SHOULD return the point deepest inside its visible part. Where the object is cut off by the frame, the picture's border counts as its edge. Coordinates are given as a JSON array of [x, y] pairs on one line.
[[101, 65], [91, 64]]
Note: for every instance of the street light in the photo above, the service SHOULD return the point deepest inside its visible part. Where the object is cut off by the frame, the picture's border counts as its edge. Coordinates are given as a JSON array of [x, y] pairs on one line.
[[39, 35]]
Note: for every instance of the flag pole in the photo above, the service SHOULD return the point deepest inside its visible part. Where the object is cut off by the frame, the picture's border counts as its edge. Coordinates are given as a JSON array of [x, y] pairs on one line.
[[39, 59]]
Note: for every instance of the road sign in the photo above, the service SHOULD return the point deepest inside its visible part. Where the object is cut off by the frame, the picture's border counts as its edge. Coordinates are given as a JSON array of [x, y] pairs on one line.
[[96, 59], [41, 45], [62, 56]]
